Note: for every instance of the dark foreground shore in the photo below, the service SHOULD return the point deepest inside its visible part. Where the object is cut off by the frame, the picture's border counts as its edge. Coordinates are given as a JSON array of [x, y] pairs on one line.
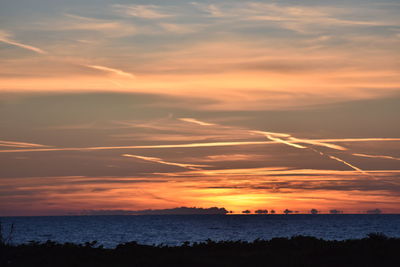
[[374, 250]]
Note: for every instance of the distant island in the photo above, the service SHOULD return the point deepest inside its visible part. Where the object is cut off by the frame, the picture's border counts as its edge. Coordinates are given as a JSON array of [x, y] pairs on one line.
[[173, 211]]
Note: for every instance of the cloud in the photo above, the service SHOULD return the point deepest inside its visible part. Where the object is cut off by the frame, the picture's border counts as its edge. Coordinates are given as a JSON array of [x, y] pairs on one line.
[[276, 137], [202, 123], [19, 144], [109, 28], [111, 70], [301, 19], [350, 140], [142, 11], [279, 140], [375, 156], [191, 145], [212, 9], [293, 141], [179, 28], [5, 37], [350, 165], [232, 157], [271, 137], [158, 160]]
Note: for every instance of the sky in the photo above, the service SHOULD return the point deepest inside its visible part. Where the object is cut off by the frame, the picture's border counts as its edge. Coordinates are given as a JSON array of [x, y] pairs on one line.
[[132, 105]]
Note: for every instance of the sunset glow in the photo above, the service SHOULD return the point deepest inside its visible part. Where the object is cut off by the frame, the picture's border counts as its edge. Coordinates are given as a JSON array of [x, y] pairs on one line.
[[239, 104]]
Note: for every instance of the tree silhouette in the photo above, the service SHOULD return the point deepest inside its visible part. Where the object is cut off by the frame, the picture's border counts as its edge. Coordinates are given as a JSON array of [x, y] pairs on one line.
[[286, 211], [246, 211], [375, 211], [335, 211], [314, 211], [261, 212]]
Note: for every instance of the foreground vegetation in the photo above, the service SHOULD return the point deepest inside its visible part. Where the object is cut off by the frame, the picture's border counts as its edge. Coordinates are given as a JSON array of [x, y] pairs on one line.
[[374, 250]]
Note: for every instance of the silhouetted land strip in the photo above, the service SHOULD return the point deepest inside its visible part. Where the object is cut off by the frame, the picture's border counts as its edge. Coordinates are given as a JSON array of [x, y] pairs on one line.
[[173, 211], [374, 250]]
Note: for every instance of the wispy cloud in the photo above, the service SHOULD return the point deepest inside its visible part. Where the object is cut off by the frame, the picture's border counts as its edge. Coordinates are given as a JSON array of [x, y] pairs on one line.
[[301, 19], [375, 156], [142, 11], [348, 164], [179, 28], [350, 140], [20, 144], [271, 137], [111, 70], [108, 28], [202, 123], [280, 140], [5, 37], [158, 160], [287, 139], [317, 143], [231, 157], [293, 141], [190, 145]]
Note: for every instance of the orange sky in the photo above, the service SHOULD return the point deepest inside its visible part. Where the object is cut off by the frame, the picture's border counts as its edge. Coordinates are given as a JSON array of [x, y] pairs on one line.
[[236, 104]]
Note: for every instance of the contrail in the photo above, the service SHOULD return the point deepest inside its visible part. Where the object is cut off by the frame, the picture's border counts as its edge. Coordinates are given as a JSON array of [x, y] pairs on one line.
[[279, 140], [202, 123], [276, 137], [342, 161], [348, 164], [375, 156], [158, 160], [321, 153], [294, 142], [19, 144], [4, 37], [111, 70], [270, 133], [190, 145], [344, 140], [317, 143], [291, 142]]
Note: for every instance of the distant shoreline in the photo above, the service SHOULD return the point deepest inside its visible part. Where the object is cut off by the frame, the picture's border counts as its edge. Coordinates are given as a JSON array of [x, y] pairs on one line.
[[231, 214]]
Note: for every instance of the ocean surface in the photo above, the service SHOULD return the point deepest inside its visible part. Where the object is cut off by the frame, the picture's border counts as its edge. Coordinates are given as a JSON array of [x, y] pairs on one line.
[[175, 229]]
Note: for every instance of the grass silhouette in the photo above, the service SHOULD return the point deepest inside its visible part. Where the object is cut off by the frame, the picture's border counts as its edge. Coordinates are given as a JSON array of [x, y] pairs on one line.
[[374, 250]]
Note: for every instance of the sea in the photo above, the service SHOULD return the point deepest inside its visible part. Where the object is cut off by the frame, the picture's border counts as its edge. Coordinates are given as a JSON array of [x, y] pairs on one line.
[[110, 231]]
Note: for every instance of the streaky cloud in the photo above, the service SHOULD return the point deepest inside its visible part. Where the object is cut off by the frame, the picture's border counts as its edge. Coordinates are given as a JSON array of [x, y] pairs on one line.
[[317, 143], [20, 144], [348, 164], [111, 70], [142, 11], [5, 38], [350, 140], [279, 140], [276, 138], [271, 133], [293, 141], [158, 160], [189, 145], [375, 156], [202, 123]]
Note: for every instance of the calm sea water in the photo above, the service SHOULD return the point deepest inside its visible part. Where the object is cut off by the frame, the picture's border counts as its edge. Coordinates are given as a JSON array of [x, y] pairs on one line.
[[175, 229]]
